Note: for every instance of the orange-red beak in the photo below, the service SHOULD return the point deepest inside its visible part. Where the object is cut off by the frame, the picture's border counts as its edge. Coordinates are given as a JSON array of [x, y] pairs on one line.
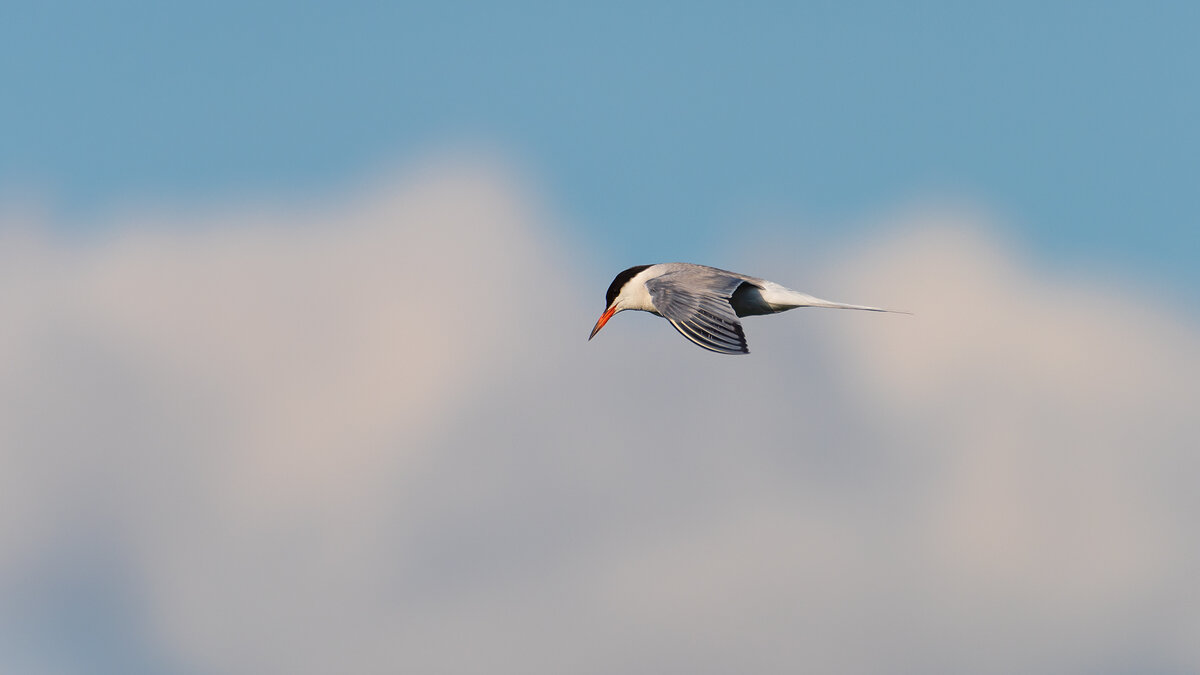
[[603, 320]]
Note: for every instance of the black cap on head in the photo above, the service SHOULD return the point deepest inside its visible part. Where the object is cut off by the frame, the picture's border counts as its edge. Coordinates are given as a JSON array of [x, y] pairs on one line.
[[623, 278]]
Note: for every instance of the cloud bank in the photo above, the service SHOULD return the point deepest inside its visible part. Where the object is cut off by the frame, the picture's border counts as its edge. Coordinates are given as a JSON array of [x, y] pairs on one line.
[[368, 435]]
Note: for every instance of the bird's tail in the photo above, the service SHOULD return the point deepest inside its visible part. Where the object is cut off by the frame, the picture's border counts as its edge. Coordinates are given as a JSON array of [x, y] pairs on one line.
[[798, 299]]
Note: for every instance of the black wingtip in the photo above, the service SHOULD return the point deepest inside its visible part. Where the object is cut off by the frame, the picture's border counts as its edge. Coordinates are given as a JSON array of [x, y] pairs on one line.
[[703, 338]]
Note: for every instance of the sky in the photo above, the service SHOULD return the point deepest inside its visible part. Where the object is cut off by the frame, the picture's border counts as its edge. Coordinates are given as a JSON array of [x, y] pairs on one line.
[[660, 130], [295, 378]]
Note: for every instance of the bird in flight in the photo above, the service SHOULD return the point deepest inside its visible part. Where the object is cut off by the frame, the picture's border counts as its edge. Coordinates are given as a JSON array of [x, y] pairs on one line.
[[705, 303]]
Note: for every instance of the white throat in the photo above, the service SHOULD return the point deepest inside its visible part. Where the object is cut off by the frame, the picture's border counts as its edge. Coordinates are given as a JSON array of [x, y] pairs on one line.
[[634, 294]]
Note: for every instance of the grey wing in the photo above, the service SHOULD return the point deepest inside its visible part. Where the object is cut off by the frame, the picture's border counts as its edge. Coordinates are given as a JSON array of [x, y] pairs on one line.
[[696, 302]]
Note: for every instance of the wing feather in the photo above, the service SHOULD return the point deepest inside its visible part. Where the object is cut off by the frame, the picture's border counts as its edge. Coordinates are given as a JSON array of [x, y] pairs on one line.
[[696, 302]]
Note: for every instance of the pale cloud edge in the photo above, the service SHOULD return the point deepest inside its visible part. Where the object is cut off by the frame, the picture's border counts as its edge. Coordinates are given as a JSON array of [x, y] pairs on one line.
[[368, 435]]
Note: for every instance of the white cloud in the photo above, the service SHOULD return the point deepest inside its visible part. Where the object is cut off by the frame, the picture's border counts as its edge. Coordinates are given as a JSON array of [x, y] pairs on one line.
[[371, 437]]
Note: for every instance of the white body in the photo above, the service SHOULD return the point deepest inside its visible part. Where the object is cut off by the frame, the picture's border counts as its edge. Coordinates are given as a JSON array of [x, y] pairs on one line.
[[770, 298], [704, 303]]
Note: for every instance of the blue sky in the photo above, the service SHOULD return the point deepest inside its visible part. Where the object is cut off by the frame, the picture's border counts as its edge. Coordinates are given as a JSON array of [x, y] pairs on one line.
[[653, 129]]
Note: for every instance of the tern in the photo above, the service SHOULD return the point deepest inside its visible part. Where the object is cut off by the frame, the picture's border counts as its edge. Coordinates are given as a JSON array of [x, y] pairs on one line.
[[705, 303]]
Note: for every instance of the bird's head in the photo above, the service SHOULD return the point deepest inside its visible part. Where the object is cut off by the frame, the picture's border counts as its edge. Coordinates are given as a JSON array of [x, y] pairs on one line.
[[623, 293]]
